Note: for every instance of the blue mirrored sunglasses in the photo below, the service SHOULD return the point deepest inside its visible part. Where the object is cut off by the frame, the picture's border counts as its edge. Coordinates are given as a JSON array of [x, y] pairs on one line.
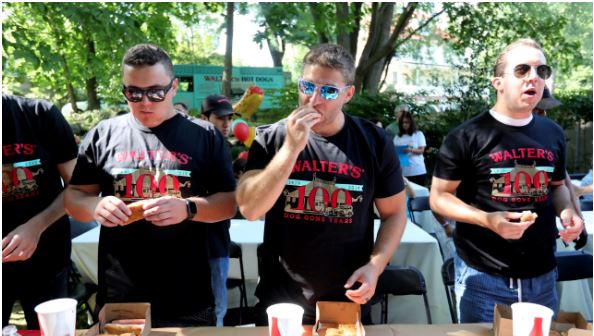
[[328, 92]]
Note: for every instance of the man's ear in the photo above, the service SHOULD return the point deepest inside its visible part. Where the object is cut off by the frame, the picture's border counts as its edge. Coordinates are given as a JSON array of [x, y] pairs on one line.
[[350, 93], [497, 83]]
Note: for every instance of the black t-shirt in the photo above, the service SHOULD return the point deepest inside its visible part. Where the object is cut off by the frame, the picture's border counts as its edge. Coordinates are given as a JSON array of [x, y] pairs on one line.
[[505, 168], [35, 139], [320, 230], [166, 266]]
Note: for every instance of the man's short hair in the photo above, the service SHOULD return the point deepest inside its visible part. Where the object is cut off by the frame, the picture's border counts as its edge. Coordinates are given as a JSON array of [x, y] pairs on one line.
[[147, 55], [501, 59], [332, 56]]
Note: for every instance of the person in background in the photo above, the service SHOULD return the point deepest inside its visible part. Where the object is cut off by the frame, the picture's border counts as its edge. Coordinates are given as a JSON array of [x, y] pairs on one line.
[[316, 175], [218, 110], [38, 156], [181, 108], [411, 142], [180, 171], [488, 171], [585, 188], [393, 128]]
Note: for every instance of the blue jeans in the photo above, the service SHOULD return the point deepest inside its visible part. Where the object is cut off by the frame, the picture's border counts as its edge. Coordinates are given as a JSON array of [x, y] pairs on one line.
[[219, 267], [478, 292]]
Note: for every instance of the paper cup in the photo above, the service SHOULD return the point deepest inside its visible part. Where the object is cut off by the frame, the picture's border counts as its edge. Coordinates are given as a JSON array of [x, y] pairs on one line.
[[57, 317], [531, 319], [284, 319]]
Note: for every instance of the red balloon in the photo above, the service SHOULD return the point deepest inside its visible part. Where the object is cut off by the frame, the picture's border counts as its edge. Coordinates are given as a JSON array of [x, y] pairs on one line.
[[243, 155], [241, 131]]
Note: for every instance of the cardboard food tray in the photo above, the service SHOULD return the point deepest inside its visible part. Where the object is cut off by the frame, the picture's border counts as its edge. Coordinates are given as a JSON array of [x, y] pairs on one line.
[[570, 324], [330, 314], [118, 311]]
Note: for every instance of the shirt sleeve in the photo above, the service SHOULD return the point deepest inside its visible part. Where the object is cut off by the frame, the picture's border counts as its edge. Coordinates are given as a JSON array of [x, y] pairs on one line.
[[86, 171], [389, 180], [60, 139], [261, 152], [421, 139], [450, 161], [221, 168]]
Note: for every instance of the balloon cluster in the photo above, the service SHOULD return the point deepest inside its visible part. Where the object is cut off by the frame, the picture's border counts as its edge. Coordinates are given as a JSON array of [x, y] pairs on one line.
[[243, 132]]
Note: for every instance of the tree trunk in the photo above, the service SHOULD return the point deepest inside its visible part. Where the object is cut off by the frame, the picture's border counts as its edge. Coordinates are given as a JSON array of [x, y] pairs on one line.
[[354, 34], [314, 9], [227, 73], [71, 93], [378, 46], [276, 52], [91, 83], [342, 19]]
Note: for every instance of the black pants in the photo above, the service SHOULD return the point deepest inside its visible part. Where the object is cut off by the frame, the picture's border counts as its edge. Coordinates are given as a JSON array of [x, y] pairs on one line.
[[418, 179], [31, 290]]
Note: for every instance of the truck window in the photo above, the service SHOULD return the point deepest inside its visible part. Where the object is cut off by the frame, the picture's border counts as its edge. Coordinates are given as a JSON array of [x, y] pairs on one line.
[[186, 83]]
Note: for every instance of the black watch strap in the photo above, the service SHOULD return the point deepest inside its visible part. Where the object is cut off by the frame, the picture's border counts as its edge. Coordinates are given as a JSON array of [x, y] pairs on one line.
[[192, 209]]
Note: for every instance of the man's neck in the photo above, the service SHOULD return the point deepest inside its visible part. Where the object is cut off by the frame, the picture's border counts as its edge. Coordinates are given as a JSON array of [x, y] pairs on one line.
[[504, 110]]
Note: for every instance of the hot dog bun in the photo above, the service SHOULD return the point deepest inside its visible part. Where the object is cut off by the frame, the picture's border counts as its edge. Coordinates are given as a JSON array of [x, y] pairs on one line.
[[119, 329], [137, 212], [528, 216]]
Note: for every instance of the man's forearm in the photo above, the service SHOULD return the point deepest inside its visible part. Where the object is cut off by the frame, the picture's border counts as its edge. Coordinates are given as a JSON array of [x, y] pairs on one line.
[[388, 239], [79, 204], [562, 198], [257, 193], [215, 208], [49, 215], [450, 206]]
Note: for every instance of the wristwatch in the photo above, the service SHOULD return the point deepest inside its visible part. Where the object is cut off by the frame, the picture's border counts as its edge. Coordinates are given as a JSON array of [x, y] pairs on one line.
[[192, 209]]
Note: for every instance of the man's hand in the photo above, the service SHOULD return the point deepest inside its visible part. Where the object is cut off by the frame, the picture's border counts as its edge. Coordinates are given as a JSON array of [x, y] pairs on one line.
[[111, 211], [572, 223], [500, 223], [166, 210], [21, 243], [299, 124], [367, 276]]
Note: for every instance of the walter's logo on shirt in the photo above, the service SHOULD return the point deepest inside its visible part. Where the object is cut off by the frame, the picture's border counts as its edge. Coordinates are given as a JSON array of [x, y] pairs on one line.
[[18, 180], [152, 155], [321, 200], [132, 184], [521, 183]]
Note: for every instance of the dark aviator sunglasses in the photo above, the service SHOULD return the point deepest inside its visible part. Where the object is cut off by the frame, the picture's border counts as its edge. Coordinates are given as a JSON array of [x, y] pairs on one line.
[[154, 94], [523, 70]]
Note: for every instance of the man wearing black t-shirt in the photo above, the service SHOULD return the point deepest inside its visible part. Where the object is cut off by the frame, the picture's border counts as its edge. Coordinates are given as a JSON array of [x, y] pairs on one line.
[[181, 169], [489, 170], [38, 155], [316, 176]]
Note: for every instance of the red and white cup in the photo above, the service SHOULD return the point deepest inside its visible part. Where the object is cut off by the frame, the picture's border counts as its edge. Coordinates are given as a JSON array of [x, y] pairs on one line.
[[285, 319], [531, 319], [57, 317]]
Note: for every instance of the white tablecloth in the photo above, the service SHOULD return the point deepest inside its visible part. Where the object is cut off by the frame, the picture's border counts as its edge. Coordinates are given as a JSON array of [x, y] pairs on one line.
[[417, 249]]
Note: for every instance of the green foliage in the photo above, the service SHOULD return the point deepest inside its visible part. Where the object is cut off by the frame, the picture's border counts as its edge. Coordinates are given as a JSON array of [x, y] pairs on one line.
[[576, 106], [82, 122], [285, 100]]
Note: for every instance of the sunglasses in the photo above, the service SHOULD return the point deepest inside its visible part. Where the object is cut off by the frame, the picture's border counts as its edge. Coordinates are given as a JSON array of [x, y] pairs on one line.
[[523, 70], [155, 94], [328, 92]]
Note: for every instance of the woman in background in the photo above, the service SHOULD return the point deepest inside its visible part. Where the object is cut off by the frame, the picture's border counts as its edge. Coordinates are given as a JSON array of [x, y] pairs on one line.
[[411, 142]]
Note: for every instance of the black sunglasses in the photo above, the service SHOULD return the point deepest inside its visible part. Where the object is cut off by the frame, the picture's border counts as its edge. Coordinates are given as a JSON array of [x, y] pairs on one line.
[[155, 94], [522, 70]]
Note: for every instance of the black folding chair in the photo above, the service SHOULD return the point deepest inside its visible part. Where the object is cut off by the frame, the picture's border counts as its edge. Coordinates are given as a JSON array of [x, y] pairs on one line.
[[448, 276], [585, 205], [400, 280], [236, 253], [81, 291], [419, 204], [573, 265]]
